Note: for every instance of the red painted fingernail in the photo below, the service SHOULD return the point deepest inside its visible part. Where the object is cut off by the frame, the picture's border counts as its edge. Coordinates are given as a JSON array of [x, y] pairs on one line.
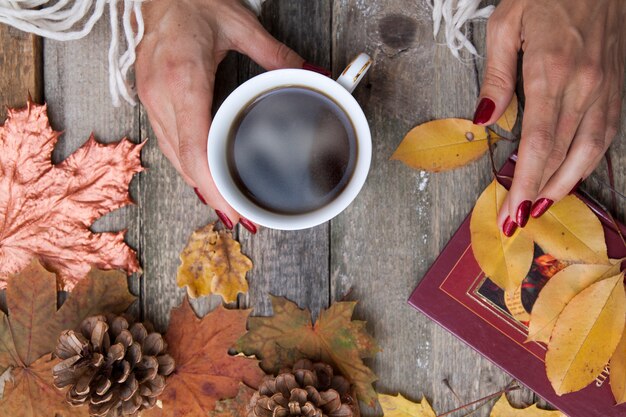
[[248, 225], [580, 181], [195, 190], [509, 227], [315, 68], [224, 218], [523, 213], [541, 206], [484, 110]]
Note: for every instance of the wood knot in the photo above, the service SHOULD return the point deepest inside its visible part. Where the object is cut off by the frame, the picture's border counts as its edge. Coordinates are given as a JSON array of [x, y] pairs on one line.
[[397, 31]]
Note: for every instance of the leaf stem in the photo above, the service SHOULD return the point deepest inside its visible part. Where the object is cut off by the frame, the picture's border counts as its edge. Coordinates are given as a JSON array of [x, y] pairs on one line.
[[510, 387]]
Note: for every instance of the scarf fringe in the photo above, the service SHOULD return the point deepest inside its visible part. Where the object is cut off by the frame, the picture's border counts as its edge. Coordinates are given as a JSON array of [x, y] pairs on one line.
[[66, 20]]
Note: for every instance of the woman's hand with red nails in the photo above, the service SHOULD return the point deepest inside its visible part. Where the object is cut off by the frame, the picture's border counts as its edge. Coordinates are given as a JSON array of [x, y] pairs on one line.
[[177, 59], [573, 71]]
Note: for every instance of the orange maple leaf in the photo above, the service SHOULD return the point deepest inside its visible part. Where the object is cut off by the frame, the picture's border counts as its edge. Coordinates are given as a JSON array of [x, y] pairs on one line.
[[46, 209], [205, 371]]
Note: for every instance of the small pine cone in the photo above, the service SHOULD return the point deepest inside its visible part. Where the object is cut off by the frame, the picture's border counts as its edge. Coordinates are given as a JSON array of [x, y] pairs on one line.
[[114, 365], [308, 389]]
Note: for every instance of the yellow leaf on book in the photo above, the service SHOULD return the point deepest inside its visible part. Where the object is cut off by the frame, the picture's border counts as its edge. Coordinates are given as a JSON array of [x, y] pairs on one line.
[[443, 144], [618, 371], [503, 408], [586, 335], [559, 291], [505, 260], [508, 118], [399, 406], [570, 231]]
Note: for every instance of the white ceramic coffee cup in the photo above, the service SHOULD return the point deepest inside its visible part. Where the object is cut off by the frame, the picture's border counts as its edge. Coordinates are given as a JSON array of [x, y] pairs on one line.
[[340, 92]]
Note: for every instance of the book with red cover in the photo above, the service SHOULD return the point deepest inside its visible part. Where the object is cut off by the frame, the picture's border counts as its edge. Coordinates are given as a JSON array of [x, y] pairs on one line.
[[456, 294]]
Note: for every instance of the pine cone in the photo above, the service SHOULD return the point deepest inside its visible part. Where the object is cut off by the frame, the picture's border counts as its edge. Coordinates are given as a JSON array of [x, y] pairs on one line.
[[116, 366], [308, 390]]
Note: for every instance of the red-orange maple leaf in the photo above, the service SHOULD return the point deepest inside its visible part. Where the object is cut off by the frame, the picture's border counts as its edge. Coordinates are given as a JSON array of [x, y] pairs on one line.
[[205, 371], [46, 209]]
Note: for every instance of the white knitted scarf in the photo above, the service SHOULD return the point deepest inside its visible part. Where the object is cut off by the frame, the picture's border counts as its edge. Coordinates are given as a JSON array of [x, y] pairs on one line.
[[65, 20]]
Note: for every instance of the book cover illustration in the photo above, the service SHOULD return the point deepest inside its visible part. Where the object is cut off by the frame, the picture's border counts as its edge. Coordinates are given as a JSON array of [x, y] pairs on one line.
[[459, 296]]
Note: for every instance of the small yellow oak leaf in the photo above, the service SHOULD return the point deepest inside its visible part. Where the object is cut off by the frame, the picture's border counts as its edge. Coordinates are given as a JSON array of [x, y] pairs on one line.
[[212, 263], [586, 335], [508, 118], [505, 260], [399, 406], [559, 291], [503, 408], [618, 371], [444, 144]]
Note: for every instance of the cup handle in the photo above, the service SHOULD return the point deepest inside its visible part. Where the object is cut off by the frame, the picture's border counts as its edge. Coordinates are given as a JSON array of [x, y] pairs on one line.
[[354, 72]]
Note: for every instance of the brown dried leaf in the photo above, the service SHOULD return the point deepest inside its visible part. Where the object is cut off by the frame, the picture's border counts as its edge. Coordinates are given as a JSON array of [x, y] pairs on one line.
[[29, 333], [234, 407], [212, 263], [31, 393], [46, 209], [205, 372], [443, 144], [586, 335], [290, 335]]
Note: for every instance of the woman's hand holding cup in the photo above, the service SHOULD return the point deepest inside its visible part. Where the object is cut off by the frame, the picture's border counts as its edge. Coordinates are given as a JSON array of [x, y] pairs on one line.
[[184, 43]]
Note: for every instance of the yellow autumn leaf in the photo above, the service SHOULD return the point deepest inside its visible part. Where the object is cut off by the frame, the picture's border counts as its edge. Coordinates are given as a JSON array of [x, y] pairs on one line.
[[212, 263], [618, 371], [505, 260], [570, 231], [559, 291], [508, 118], [503, 408], [586, 334], [443, 144], [399, 406]]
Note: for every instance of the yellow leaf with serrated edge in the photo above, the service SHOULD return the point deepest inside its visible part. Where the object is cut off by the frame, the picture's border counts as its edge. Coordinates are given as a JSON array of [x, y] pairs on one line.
[[508, 118], [212, 263], [617, 377], [503, 408], [399, 406], [570, 231], [443, 144], [505, 260], [559, 291], [586, 335]]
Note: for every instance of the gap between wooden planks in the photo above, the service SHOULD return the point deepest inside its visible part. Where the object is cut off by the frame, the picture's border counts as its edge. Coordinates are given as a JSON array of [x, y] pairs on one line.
[[20, 68]]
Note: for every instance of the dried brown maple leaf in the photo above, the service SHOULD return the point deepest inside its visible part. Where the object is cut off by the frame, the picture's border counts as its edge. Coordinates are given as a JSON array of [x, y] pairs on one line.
[[279, 341], [234, 407], [29, 333], [46, 209], [205, 371], [212, 263]]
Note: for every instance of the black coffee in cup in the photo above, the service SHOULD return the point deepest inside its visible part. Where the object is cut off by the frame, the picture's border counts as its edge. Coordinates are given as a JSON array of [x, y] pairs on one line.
[[292, 150]]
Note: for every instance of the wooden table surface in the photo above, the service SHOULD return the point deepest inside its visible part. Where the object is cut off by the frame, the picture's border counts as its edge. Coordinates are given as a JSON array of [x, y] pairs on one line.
[[379, 248]]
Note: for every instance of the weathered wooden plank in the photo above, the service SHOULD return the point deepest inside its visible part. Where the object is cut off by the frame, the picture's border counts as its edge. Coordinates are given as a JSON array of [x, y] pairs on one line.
[[383, 244], [292, 264], [76, 90], [21, 74], [170, 212]]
